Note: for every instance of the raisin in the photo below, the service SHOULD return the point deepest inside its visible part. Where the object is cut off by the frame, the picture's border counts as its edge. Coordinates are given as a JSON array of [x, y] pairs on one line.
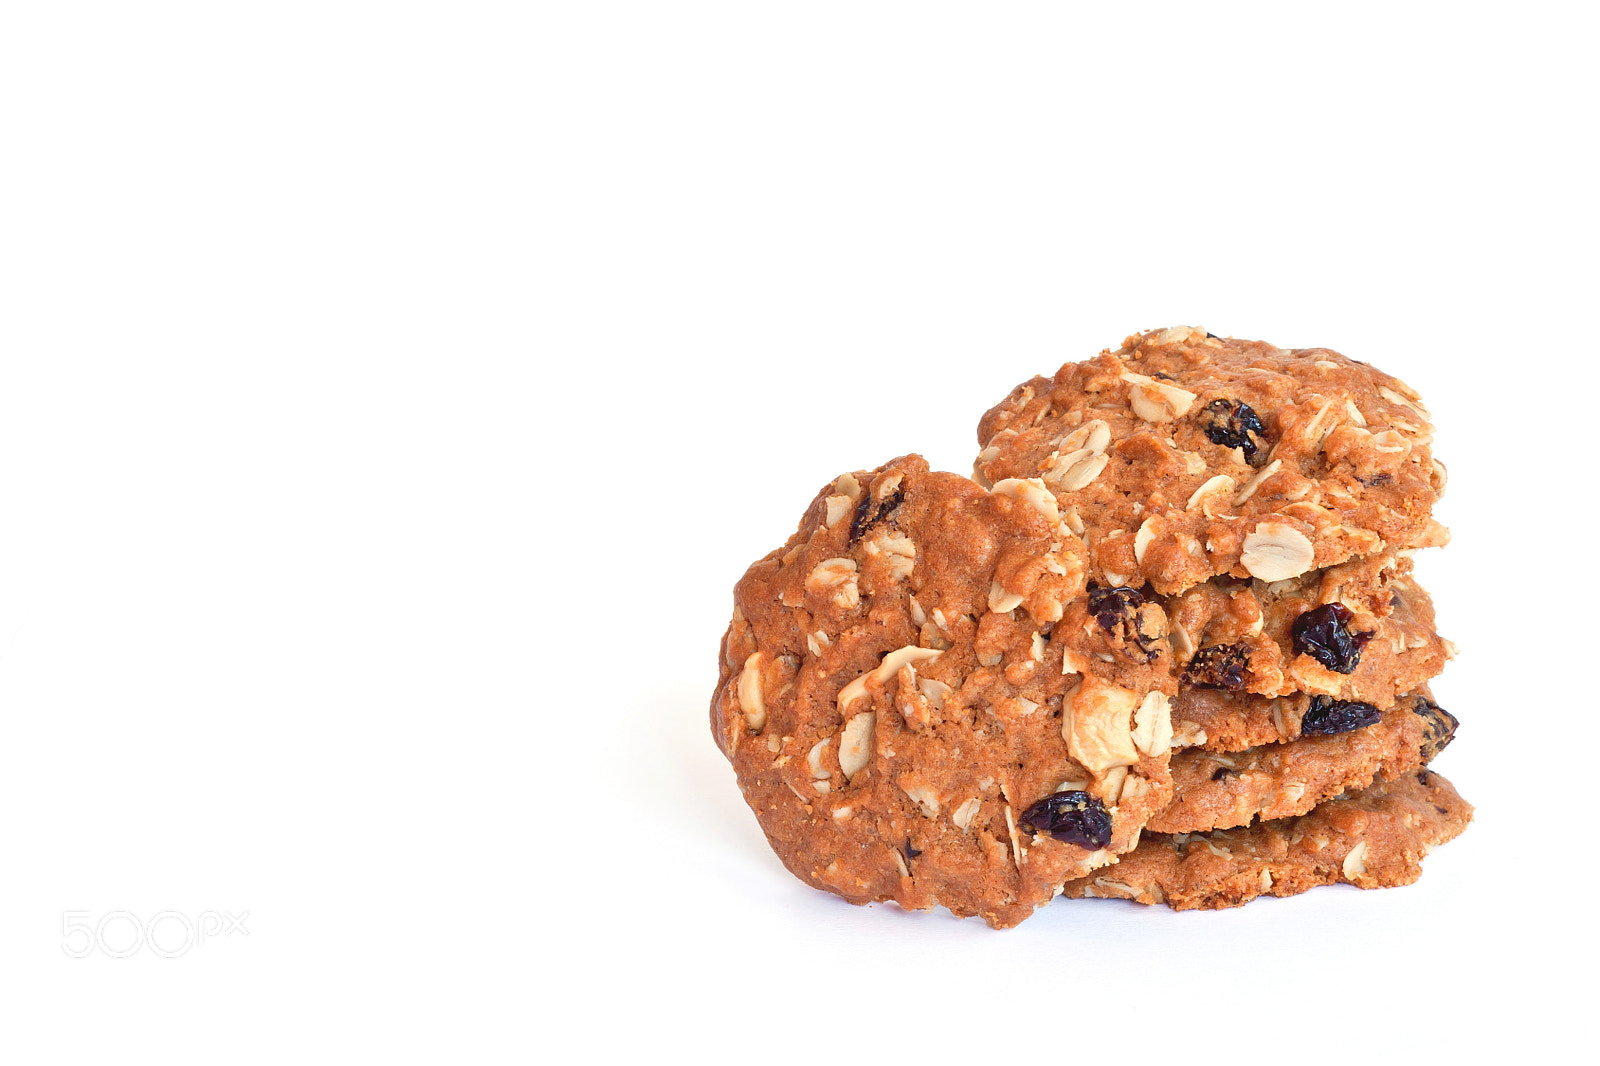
[[869, 515], [1230, 424], [1121, 613], [1327, 716], [1112, 605], [1071, 817], [1322, 634], [911, 852], [1438, 727], [1218, 666]]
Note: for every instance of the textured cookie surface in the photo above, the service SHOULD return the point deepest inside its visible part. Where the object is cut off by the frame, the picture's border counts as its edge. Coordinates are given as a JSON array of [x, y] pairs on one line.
[[1362, 630], [1375, 838], [1218, 720], [897, 702], [1175, 600], [1346, 746], [1183, 456]]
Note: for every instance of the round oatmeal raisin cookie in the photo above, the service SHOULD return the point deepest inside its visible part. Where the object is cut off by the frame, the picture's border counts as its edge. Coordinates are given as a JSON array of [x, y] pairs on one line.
[[1183, 456], [907, 714]]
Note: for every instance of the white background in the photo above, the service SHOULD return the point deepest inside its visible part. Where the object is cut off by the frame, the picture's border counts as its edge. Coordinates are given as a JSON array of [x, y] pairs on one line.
[[390, 396]]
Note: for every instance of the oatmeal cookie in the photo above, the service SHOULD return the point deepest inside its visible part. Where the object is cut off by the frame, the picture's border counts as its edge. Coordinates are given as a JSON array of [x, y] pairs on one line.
[[1183, 456], [1344, 745], [1216, 718], [1375, 838], [1176, 598], [1362, 630], [908, 719]]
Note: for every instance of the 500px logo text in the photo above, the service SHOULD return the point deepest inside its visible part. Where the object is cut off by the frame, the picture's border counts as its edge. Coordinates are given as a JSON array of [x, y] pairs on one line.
[[169, 934]]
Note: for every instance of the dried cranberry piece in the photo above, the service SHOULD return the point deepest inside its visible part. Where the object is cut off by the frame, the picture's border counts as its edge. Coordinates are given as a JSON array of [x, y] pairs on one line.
[[1327, 716], [1322, 634], [1219, 665], [1072, 818], [1438, 727], [1230, 423], [1120, 612], [868, 515]]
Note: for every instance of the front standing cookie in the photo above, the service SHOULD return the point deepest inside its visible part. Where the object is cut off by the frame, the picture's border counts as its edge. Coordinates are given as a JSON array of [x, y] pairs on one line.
[[909, 717]]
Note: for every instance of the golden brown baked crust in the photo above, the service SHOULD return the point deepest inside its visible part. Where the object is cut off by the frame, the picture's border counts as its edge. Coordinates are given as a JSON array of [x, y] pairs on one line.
[[1177, 598], [1215, 790], [1394, 645], [1172, 481], [895, 697], [1375, 838]]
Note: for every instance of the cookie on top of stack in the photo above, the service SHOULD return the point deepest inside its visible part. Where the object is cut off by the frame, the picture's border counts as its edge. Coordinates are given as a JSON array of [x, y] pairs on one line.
[[1165, 645]]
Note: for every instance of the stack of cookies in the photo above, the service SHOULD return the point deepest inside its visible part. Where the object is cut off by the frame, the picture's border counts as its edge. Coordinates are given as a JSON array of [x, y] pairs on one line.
[[1165, 645]]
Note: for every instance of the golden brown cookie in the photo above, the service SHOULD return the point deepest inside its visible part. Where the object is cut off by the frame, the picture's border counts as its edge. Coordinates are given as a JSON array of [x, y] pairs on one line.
[[1183, 456], [958, 692], [1215, 719], [896, 703], [1375, 838], [1342, 747], [1362, 630]]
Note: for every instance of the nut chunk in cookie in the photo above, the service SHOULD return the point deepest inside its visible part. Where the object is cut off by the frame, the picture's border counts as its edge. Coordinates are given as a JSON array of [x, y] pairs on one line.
[[915, 703]]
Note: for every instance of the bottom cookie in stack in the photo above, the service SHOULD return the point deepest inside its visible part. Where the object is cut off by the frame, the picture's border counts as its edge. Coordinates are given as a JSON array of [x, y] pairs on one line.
[[1374, 838]]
